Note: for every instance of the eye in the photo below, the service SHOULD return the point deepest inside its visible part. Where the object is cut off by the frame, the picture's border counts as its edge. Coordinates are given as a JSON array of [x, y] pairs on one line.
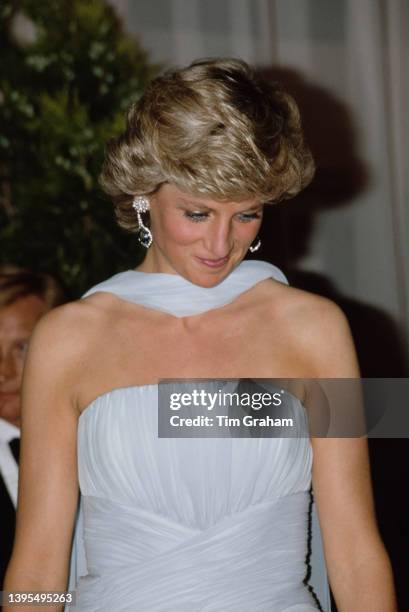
[[195, 216], [245, 218], [21, 347]]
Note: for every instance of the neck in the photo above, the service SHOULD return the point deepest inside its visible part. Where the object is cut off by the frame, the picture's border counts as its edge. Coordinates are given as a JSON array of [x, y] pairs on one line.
[[155, 262]]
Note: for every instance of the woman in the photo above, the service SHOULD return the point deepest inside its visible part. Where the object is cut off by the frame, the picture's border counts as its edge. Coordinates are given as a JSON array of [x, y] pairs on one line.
[[192, 524]]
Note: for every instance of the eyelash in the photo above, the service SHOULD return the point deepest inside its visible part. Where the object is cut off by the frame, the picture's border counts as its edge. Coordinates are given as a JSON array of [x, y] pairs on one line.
[[198, 217]]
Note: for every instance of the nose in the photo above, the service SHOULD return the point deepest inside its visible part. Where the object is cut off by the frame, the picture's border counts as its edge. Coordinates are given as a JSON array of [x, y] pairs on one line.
[[218, 240]]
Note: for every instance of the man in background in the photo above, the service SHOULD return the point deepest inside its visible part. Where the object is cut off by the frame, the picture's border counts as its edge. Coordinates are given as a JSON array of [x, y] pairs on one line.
[[25, 296]]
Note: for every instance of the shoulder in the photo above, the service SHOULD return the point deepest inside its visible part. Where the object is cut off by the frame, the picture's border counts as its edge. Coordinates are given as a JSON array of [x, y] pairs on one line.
[[290, 301], [64, 338], [75, 320], [316, 328]]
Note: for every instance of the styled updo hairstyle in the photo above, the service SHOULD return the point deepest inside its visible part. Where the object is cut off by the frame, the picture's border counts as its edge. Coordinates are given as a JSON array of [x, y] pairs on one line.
[[212, 129]]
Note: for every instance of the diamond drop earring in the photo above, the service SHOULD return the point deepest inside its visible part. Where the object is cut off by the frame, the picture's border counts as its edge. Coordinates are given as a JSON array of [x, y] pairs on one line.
[[256, 247], [141, 205]]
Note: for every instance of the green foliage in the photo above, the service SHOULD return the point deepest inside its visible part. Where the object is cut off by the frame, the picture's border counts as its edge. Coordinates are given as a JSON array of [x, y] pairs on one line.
[[67, 74]]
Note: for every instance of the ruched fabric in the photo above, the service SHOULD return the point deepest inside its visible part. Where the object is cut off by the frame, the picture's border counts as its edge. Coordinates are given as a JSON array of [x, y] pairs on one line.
[[187, 524]]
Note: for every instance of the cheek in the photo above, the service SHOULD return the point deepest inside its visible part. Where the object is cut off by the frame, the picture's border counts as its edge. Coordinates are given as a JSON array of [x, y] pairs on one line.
[[180, 231], [18, 365], [246, 232]]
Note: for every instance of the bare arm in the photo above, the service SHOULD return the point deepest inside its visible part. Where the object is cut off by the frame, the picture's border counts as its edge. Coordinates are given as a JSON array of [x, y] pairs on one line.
[[48, 485], [358, 566]]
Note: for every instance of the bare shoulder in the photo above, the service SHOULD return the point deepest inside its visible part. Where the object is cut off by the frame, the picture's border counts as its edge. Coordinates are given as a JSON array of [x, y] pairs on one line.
[[73, 323], [290, 302], [309, 313], [316, 328], [64, 338]]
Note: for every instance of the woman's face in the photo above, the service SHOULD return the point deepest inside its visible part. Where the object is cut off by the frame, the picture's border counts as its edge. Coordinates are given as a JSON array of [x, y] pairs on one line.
[[198, 238]]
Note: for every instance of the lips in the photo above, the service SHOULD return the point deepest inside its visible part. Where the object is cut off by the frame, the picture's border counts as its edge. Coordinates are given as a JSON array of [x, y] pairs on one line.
[[213, 263]]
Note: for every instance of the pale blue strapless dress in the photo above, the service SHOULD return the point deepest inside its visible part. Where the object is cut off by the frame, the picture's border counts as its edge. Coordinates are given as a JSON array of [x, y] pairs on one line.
[[189, 525]]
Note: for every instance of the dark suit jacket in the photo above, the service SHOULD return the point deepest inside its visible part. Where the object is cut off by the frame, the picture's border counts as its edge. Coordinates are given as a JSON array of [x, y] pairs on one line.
[[8, 519], [8, 524]]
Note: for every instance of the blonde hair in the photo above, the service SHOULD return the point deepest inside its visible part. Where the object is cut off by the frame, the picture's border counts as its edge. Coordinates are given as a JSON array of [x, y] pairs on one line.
[[213, 129]]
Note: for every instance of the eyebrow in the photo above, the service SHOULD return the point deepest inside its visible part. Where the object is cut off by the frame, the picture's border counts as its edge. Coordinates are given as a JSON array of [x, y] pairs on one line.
[[206, 208]]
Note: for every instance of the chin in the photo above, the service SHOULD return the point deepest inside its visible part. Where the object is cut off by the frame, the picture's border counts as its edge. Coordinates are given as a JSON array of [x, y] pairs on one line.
[[203, 276], [209, 283], [208, 279], [10, 409]]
